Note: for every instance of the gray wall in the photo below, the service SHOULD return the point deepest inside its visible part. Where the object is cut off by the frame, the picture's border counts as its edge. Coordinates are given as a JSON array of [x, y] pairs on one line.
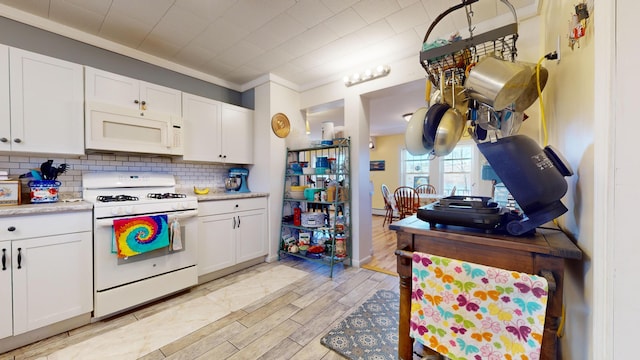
[[19, 35]]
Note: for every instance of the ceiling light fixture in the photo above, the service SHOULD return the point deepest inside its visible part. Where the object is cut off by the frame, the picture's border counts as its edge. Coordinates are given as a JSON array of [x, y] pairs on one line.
[[407, 116], [357, 78]]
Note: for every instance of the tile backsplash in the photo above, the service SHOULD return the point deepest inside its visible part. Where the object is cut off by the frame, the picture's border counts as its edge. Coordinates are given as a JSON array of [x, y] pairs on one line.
[[187, 174]]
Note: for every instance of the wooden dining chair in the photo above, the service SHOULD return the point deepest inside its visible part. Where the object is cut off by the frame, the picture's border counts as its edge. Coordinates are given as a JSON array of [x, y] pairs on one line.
[[426, 189], [407, 201], [389, 205]]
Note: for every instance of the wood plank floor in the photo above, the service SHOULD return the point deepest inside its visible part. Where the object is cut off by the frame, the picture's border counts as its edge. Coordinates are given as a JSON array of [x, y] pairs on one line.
[[384, 245], [285, 325]]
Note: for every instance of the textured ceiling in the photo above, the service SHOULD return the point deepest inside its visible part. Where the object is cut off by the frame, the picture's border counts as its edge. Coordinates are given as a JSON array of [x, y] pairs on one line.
[[306, 42]]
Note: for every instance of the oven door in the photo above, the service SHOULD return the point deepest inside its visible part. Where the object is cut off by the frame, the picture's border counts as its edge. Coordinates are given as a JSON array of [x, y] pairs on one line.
[[111, 271]]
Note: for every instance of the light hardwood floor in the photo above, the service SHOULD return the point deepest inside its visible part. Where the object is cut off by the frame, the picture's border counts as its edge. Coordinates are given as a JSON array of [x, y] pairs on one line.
[[384, 245]]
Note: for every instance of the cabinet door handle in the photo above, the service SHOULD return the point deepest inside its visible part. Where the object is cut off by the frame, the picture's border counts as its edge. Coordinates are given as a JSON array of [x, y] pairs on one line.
[[238, 221], [17, 140], [136, 101], [4, 259], [4, 139], [19, 258], [234, 222]]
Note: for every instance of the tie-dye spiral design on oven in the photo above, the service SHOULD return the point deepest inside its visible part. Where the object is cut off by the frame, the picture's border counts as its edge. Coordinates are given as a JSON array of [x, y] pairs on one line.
[[140, 234]]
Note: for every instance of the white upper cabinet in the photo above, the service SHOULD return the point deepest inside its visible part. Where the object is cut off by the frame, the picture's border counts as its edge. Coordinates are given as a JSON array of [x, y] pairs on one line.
[[46, 104], [105, 87], [237, 134], [216, 131]]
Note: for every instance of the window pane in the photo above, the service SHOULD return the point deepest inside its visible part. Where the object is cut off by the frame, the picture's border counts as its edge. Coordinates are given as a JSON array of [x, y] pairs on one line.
[[415, 169], [457, 168]]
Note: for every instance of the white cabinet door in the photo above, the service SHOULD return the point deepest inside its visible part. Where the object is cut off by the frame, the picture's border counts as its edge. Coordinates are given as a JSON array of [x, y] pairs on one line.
[[237, 134], [5, 115], [52, 280], [160, 99], [216, 132], [216, 245], [47, 99], [109, 88], [251, 235], [106, 87], [201, 118], [6, 307]]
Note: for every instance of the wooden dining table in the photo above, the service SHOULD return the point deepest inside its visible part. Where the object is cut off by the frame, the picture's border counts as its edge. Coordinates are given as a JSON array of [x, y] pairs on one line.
[[426, 199]]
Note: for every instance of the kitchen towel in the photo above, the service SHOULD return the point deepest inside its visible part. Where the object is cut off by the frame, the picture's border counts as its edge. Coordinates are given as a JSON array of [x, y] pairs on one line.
[[141, 234], [469, 311], [176, 237]]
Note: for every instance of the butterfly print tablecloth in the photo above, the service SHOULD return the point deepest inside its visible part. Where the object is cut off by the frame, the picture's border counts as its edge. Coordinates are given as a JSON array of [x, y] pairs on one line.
[[469, 311]]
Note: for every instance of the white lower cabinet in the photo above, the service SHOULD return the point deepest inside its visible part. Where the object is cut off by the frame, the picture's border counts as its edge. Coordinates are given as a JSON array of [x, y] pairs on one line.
[[231, 232], [46, 270], [6, 307]]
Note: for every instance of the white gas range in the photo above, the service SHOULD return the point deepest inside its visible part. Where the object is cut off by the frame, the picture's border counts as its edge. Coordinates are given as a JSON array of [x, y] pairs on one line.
[[149, 201]]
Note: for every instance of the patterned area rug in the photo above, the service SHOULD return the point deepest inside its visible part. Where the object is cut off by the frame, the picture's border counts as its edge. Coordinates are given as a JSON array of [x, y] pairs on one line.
[[370, 332]]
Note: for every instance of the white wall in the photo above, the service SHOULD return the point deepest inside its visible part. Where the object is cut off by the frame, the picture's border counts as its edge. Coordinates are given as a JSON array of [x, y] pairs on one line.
[[569, 100], [270, 162]]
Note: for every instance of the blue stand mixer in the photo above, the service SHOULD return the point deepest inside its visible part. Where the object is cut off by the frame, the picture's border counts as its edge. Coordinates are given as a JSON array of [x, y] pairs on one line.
[[237, 180]]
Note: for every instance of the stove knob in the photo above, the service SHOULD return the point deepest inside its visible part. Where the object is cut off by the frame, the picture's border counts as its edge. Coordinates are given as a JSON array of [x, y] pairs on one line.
[[116, 211]]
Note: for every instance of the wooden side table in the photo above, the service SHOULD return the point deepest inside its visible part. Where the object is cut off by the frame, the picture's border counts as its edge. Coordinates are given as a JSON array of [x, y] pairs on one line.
[[543, 253]]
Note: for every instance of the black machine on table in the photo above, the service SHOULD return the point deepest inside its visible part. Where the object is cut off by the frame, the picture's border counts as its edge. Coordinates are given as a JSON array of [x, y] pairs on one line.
[[534, 177]]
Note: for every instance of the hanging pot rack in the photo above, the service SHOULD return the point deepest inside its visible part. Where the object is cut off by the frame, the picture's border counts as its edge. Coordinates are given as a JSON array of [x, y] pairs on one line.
[[454, 57]]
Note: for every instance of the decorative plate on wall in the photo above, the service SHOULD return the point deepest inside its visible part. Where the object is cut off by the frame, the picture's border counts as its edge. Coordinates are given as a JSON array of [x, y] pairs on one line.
[[280, 125]]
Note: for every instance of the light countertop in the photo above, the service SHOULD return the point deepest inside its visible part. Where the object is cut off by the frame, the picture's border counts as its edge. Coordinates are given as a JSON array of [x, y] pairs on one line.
[[62, 206], [221, 195], [32, 209]]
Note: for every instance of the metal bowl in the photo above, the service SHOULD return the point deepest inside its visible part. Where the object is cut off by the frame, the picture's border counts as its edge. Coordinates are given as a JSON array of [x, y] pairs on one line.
[[232, 183]]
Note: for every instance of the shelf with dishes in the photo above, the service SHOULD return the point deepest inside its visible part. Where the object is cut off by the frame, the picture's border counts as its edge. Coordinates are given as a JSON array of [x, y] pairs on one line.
[[315, 205]]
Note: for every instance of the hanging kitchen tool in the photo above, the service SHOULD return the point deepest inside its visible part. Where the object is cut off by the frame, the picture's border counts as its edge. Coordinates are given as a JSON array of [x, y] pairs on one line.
[[457, 55], [413, 134], [496, 82], [530, 94], [433, 117], [450, 127]]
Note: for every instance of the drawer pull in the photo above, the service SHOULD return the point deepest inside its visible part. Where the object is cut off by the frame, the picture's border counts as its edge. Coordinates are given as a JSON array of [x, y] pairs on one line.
[[19, 258], [4, 259], [11, 228]]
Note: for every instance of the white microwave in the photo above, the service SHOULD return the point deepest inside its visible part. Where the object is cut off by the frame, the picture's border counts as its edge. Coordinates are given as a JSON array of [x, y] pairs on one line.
[[113, 128]]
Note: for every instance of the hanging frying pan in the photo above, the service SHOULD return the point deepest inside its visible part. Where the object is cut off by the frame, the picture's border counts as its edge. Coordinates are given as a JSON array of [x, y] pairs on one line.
[[450, 127], [431, 122]]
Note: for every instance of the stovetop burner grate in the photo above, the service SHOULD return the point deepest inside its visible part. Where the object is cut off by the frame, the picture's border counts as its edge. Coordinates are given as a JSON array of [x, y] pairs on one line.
[[165, 196], [112, 198]]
